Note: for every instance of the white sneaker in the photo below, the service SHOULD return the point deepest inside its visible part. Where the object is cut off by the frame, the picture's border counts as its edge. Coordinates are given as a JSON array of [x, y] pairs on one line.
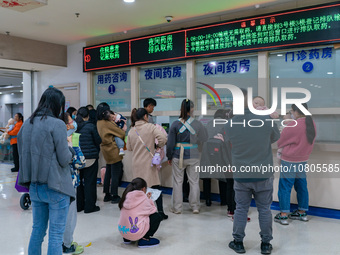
[[175, 212], [196, 211], [121, 152]]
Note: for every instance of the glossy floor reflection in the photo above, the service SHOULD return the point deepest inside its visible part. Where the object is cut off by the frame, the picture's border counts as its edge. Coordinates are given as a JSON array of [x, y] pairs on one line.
[[206, 233]]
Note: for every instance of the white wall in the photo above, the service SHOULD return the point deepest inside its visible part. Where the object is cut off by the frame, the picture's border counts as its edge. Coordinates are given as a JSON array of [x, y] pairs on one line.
[[73, 73]]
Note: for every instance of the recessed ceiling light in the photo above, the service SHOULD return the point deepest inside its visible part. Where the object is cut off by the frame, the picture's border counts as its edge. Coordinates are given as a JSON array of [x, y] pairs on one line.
[[22, 82], [21, 91], [0, 93], [129, 1], [299, 82], [279, 55], [329, 72], [277, 77]]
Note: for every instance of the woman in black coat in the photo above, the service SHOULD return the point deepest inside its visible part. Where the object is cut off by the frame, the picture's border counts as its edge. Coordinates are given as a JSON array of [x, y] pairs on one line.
[[89, 142]]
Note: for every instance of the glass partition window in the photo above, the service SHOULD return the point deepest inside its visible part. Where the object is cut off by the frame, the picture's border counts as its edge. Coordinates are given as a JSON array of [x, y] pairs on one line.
[[113, 88], [166, 84], [327, 128], [241, 72], [315, 69]]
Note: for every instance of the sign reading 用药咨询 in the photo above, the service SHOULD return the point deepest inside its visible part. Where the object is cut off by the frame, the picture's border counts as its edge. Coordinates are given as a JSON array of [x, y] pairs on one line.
[[309, 26]]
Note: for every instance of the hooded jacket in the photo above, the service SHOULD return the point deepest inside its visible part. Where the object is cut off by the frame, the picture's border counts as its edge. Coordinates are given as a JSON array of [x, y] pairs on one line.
[[134, 221]]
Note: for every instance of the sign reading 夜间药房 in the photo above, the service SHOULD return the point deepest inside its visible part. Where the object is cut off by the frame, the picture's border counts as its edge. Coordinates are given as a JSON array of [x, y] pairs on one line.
[[313, 25]]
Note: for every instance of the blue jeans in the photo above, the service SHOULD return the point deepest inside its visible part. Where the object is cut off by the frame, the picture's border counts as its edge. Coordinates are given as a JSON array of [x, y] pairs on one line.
[[295, 176], [48, 206], [119, 142]]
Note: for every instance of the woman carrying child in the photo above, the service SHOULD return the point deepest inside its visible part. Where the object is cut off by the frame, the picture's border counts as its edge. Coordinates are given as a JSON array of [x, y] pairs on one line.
[[297, 142], [108, 130], [185, 135], [18, 118], [139, 219]]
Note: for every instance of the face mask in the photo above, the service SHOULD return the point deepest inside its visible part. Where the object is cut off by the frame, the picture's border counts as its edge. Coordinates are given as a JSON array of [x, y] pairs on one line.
[[74, 117]]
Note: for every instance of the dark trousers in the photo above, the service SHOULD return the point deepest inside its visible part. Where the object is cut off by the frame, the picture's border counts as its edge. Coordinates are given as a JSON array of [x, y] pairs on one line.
[[155, 220], [230, 195], [114, 173], [87, 189], [186, 187], [159, 201], [227, 193], [15, 157]]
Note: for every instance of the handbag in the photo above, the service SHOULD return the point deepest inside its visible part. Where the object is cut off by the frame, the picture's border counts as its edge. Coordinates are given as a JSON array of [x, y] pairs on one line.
[[154, 157]]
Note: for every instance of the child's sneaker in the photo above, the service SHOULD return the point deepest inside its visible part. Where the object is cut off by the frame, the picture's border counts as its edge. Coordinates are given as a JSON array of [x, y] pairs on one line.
[[121, 152], [73, 249], [79, 250], [281, 219], [298, 216], [144, 243], [126, 241]]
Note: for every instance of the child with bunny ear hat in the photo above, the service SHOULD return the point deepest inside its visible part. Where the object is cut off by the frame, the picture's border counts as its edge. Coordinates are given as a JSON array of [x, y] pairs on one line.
[[139, 219]]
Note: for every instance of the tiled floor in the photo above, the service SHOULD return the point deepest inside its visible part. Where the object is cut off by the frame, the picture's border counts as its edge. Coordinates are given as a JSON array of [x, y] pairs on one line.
[[206, 233]]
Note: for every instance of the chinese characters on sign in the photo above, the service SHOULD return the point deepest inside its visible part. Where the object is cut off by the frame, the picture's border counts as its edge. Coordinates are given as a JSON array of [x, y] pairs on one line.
[[163, 73], [258, 32], [311, 54], [112, 78], [109, 52], [160, 44], [231, 66]]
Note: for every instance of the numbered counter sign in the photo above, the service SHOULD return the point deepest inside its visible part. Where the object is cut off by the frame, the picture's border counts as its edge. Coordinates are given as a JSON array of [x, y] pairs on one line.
[[112, 89], [307, 67]]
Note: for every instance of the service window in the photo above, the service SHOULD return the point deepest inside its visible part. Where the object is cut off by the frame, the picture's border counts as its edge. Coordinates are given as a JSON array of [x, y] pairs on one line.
[[241, 72], [164, 83], [114, 88]]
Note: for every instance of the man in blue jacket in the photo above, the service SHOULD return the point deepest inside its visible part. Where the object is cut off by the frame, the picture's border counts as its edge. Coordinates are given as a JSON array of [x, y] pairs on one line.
[[252, 158]]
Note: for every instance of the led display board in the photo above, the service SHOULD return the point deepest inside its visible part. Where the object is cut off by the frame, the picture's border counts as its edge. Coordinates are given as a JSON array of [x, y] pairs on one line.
[[313, 25]]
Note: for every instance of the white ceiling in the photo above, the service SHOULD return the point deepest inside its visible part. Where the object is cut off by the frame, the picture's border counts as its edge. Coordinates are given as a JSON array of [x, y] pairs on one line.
[[57, 23]]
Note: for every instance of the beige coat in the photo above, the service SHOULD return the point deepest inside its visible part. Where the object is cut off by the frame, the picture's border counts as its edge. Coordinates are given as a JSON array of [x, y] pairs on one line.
[[107, 131], [141, 156]]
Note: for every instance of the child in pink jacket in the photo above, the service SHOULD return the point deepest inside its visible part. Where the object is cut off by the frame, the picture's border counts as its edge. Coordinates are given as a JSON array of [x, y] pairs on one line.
[[139, 219]]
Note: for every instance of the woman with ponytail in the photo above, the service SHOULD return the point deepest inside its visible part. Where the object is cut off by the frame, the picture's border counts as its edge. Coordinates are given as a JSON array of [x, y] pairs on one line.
[[185, 135], [141, 141], [139, 219], [297, 142]]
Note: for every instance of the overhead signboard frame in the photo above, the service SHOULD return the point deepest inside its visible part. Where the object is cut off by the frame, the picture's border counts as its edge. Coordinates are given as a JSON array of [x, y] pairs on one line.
[[300, 27]]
